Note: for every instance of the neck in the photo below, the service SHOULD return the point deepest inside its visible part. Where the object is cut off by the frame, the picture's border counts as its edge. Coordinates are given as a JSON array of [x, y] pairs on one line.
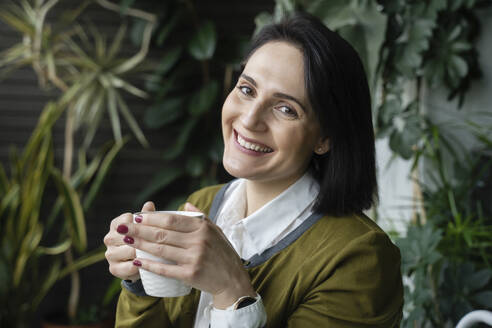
[[258, 193]]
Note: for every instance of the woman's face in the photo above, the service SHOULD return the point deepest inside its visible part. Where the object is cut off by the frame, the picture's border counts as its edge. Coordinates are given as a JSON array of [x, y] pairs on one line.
[[269, 128]]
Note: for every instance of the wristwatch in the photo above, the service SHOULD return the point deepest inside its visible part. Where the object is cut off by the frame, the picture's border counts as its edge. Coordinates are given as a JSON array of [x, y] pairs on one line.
[[242, 302]]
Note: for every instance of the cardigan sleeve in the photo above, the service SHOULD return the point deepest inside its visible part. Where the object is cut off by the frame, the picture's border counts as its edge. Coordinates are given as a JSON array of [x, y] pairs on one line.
[[360, 287], [140, 311]]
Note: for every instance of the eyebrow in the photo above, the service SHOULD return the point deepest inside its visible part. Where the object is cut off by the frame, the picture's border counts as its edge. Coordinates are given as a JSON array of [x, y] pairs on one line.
[[276, 94]]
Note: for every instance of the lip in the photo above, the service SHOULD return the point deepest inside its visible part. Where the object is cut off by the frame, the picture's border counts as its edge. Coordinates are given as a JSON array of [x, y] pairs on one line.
[[249, 151]]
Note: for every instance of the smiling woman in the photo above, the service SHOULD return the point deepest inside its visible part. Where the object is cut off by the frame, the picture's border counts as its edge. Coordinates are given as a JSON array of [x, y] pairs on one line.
[[264, 112], [286, 244]]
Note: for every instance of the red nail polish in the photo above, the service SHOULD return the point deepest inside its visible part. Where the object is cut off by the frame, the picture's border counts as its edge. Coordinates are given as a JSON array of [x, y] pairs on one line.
[[137, 263], [122, 229], [138, 219], [128, 240]]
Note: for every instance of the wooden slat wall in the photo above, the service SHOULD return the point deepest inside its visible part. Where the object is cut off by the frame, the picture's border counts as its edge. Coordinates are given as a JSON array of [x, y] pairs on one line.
[[21, 101]]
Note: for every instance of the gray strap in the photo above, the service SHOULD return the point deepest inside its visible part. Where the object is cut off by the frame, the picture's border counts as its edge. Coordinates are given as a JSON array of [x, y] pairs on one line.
[[284, 242], [214, 208]]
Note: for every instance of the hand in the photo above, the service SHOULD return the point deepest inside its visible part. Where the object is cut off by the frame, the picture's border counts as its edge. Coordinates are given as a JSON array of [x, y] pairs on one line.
[[204, 258], [119, 255]]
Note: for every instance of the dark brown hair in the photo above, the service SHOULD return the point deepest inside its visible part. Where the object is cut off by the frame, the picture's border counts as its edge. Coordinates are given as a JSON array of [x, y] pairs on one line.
[[337, 88]]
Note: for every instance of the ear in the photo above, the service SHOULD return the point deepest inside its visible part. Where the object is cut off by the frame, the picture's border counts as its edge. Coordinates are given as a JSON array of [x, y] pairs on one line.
[[322, 146]]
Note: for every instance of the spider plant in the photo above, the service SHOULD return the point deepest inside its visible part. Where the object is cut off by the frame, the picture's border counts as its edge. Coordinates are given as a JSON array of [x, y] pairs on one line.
[[91, 74]]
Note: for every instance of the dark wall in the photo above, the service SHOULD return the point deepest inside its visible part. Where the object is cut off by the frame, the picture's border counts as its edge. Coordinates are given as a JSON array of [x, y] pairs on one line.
[[21, 102]]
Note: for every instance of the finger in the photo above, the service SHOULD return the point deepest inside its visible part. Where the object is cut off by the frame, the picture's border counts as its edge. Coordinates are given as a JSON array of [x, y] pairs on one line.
[[170, 253], [124, 270], [167, 270], [123, 218], [120, 253], [175, 222], [148, 207], [191, 208], [155, 235], [113, 238]]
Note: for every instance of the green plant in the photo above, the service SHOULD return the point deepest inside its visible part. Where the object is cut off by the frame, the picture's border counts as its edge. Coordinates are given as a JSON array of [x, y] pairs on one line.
[[187, 87], [407, 47], [439, 290], [446, 252], [91, 74], [29, 267], [426, 44]]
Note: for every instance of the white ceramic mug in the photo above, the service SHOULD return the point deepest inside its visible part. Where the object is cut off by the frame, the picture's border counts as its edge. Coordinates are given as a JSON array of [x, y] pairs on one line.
[[157, 285]]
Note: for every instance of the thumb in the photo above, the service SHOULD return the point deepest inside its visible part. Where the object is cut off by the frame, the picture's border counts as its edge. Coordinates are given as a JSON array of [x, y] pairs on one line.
[[191, 208], [148, 207]]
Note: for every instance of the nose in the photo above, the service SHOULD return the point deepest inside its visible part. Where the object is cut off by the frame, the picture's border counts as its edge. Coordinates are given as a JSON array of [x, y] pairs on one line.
[[253, 117]]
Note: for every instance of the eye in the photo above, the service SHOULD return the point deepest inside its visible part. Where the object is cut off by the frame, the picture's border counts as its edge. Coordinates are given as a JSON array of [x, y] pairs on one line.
[[287, 111], [245, 90]]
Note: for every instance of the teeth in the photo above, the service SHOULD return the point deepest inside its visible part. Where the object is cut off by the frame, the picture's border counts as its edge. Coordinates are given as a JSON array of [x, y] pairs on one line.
[[252, 146]]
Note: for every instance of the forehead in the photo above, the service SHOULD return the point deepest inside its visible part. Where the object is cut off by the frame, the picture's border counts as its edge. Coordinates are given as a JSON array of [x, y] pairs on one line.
[[278, 66]]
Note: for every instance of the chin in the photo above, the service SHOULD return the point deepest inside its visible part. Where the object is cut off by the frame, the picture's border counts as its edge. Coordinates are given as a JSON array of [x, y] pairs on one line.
[[233, 169], [237, 168]]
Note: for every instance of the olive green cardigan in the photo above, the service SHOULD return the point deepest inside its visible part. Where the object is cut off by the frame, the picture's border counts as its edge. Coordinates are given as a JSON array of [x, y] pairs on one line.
[[329, 272]]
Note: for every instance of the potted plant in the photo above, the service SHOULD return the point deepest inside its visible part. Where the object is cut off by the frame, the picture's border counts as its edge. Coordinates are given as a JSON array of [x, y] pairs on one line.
[[90, 75]]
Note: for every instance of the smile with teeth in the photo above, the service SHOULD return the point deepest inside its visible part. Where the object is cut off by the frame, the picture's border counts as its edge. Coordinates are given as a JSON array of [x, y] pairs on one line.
[[252, 146]]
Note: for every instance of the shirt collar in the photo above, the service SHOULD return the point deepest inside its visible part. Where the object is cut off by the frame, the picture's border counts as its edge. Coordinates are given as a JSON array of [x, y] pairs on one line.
[[267, 223]]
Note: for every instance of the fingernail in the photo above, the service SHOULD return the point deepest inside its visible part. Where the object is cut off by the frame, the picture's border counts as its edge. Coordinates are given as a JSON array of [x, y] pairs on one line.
[[138, 218], [122, 229], [128, 240], [137, 263]]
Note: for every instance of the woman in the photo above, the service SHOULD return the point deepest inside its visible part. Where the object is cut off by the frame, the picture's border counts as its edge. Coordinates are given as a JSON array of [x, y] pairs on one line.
[[287, 244]]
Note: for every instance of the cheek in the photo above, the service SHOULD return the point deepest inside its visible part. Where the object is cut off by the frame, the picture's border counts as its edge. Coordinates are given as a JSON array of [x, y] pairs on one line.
[[298, 145], [229, 108]]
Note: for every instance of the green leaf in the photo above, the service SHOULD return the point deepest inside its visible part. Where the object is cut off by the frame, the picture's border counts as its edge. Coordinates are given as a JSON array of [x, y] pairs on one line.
[[403, 140], [130, 120], [74, 213], [125, 4], [117, 42], [57, 249], [169, 60], [16, 22], [459, 65], [84, 261], [202, 45], [113, 115], [102, 173], [154, 82], [203, 100], [159, 181], [113, 289], [480, 279], [166, 29], [483, 299], [164, 112], [334, 14], [180, 143], [120, 83], [48, 281], [261, 20]]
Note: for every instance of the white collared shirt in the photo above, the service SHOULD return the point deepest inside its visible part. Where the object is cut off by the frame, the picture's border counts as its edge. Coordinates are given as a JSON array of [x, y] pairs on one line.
[[253, 235]]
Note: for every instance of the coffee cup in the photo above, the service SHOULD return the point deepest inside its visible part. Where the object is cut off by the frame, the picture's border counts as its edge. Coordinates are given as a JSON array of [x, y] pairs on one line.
[[157, 285]]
